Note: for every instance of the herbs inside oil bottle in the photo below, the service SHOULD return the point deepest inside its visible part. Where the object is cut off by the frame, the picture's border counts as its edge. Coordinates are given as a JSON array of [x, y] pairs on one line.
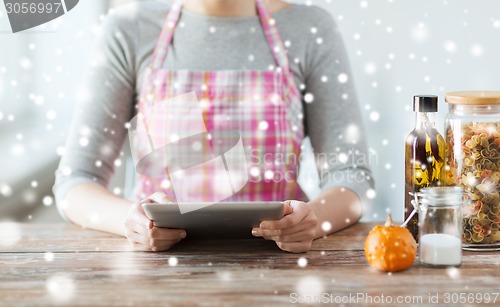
[[424, 155]]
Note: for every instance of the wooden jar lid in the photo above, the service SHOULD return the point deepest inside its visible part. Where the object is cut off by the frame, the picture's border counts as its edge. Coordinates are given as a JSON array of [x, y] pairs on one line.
[[473, 97]]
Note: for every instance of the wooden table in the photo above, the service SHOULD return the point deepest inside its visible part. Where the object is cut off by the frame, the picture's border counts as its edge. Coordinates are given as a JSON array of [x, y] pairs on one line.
[[64, 264]]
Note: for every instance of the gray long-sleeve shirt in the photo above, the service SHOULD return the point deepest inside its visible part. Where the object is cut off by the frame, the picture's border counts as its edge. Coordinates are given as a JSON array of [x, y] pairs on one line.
[[123, 50]]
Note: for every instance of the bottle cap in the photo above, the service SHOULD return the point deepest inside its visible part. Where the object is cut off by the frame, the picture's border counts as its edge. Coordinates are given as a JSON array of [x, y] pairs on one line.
[[425, 103]]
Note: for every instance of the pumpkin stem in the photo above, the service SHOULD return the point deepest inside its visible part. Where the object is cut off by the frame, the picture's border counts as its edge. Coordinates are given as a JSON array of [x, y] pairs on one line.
[[388, 222]]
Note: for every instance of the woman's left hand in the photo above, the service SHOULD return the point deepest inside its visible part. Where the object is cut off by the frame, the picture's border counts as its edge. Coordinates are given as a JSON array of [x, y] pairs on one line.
[[294, 232]]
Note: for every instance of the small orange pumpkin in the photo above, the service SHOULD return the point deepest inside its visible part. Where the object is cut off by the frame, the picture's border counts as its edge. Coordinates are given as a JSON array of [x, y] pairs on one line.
[[390, 248]]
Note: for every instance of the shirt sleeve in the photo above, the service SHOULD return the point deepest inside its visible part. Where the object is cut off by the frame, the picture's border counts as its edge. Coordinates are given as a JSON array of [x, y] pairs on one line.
[[105, 103], [332, 114]]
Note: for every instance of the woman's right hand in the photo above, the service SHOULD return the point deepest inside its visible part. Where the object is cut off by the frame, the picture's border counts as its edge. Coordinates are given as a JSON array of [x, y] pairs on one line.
[[143, 235]]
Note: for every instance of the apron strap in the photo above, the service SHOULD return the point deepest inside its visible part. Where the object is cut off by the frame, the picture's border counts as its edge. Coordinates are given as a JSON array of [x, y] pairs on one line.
[[166, 35], [273, 37]]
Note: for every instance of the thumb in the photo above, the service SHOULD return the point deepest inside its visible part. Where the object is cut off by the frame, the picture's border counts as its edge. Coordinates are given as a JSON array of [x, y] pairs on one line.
[[288, 208]]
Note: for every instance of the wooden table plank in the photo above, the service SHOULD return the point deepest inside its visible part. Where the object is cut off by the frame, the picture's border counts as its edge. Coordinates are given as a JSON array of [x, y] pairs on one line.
[[251, 272], [68, 237]]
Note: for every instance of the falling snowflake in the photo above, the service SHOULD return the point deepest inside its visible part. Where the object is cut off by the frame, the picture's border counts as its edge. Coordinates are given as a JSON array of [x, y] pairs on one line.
[[476, 50], [47, 201], [370, 68], [254, 171], [309, 287], [10, 233], [352, 133], [25, 63], [324, 79], [66, 171], [302, 262], [450, 46], [374, 116], [326, 226], [263, 125], [343, 158], [83, 141], [420, 32], [371, 194], [49, 256], [343, 78], [308, 97], [39, 100], [196, 146], [5, 190], [61, 287], [453, 272], [173, 261]]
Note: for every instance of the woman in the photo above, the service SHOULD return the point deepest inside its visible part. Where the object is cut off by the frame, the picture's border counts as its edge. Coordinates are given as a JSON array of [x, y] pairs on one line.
[[152, 51]]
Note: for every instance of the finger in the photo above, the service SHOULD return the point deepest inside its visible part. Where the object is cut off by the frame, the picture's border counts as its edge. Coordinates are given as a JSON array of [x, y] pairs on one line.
[[147, 248], [167, 233], [160, 198], [162, 248], [278, 232], [306, 235], [300, 233], [257, 232], [138, 215], [287, 207], [141, 247], [135, 237], [133, 226], [295, 247], [300, 211], [163, 245]]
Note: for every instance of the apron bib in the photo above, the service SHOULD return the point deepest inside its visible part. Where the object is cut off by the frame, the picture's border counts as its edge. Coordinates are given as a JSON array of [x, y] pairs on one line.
[[253, 104]]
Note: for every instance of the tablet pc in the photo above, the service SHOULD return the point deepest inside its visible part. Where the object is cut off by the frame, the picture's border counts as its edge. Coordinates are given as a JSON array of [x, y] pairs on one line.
[[219, 220]]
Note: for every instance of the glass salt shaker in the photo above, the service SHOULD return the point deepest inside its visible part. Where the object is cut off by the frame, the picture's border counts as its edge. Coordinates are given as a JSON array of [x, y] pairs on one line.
[[440, 226]]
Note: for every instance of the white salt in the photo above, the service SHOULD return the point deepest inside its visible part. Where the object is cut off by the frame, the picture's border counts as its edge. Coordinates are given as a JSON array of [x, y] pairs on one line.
[[440, 249]]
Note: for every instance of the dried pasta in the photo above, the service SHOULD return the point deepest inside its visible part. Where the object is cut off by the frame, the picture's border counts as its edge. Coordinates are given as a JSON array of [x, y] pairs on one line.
[[473, 163]]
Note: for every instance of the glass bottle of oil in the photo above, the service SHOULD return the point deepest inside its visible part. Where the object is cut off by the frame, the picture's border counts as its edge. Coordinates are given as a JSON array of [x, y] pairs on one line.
[[424, 155]]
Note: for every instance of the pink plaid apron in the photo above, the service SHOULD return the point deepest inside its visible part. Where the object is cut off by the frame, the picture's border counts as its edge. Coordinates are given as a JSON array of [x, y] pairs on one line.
[[256, 104]]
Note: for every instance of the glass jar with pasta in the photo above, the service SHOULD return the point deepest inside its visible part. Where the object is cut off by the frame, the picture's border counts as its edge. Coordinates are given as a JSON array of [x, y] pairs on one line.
[[473, 163]]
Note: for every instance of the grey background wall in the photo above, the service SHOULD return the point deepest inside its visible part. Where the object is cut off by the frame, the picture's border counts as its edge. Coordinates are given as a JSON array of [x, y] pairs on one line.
[[399, 48]]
